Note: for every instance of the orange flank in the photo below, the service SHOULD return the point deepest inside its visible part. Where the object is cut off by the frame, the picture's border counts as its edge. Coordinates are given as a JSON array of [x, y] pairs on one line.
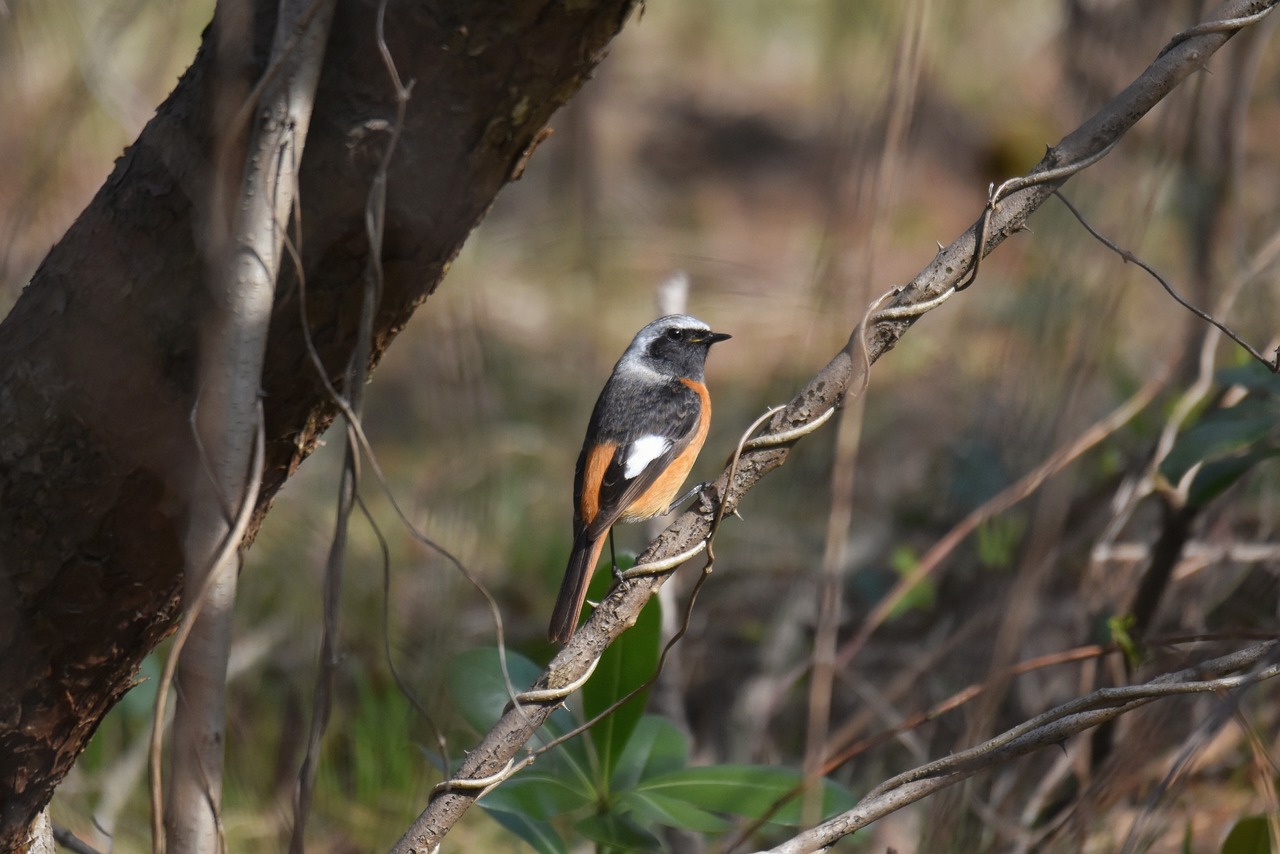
[[592, 475]]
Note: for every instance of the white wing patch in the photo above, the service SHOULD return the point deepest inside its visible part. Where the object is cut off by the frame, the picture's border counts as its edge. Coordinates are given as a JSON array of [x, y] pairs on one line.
[[642, 452]]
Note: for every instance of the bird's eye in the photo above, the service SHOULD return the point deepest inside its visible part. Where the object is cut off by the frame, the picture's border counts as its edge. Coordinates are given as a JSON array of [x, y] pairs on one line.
[[675, 334]]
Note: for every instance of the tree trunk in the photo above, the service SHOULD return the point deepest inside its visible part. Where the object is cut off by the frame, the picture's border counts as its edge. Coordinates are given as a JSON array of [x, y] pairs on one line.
[[98, 357]]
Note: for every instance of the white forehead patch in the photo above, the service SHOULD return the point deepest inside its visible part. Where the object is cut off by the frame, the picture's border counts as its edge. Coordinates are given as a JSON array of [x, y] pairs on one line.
[[642, 452], [684, 321], [659, 327]]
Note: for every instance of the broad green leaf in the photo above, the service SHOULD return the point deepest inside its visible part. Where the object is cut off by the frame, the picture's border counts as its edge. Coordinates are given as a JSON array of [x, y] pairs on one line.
[[540, 835], [835, 799], [1249, 836], [617, 831], [652, 808], [538, 796], [656, 747], [628, 663], [478, 689], [480, 694], [746, 790], [572, 763]]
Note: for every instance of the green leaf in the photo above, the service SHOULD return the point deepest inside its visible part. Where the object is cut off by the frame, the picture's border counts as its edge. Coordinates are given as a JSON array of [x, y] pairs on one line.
[[656, 747], [538, 834], [1120, 630], [571, 763], [1252, 375], [537, 796], [478, 689], [617, 831], [835, 799], [653, 808], [746, 790], [1221, 433], [922, 594], [998, 540], [628, 663], [1215, 477], [1249, 836], [480, 694]]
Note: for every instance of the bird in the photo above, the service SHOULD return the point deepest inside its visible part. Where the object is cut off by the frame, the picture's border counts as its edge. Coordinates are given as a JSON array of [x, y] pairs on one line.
[[645, 432]]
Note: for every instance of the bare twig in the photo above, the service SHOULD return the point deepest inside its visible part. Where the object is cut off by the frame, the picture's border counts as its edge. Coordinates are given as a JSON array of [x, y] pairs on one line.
[[1134, 490], [1229, 708], [1273, 365], [900, 104], [836, 757], [1046, 729], [348, 488]]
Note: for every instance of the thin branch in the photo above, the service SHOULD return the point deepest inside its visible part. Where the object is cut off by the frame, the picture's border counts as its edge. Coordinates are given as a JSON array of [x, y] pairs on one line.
[[1204, 733], [1135, 489], [385, 550], [349, 479], [833, 760], [1046, 729], [962, 697], [1273, 365]]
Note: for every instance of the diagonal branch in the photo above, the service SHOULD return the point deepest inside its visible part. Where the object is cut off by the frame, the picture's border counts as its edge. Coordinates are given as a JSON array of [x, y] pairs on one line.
[[1237, 670], [1005, 215]]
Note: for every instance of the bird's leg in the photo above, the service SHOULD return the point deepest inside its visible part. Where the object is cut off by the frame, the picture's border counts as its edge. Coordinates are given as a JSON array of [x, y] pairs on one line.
[[696, 489], [613, 560]]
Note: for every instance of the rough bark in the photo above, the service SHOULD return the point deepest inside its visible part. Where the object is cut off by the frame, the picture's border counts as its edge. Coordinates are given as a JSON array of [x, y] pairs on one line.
[[98, 357]]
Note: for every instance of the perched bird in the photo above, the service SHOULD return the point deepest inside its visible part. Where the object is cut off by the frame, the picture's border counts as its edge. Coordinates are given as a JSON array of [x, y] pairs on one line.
[[645, 432]]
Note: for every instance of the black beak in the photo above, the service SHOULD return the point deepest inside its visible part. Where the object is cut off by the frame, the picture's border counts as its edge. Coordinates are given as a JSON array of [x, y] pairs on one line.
[[710, 338]]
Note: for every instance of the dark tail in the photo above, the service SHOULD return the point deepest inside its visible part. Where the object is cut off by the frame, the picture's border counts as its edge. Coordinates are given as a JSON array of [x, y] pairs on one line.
[[573, 590]]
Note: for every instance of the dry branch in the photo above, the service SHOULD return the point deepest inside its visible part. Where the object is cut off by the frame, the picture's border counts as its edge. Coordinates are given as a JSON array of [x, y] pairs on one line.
[[952, 268], [1052, 727]]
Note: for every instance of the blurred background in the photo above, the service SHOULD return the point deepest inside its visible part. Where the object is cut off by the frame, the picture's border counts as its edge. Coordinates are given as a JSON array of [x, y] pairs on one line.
[[796, 158]]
